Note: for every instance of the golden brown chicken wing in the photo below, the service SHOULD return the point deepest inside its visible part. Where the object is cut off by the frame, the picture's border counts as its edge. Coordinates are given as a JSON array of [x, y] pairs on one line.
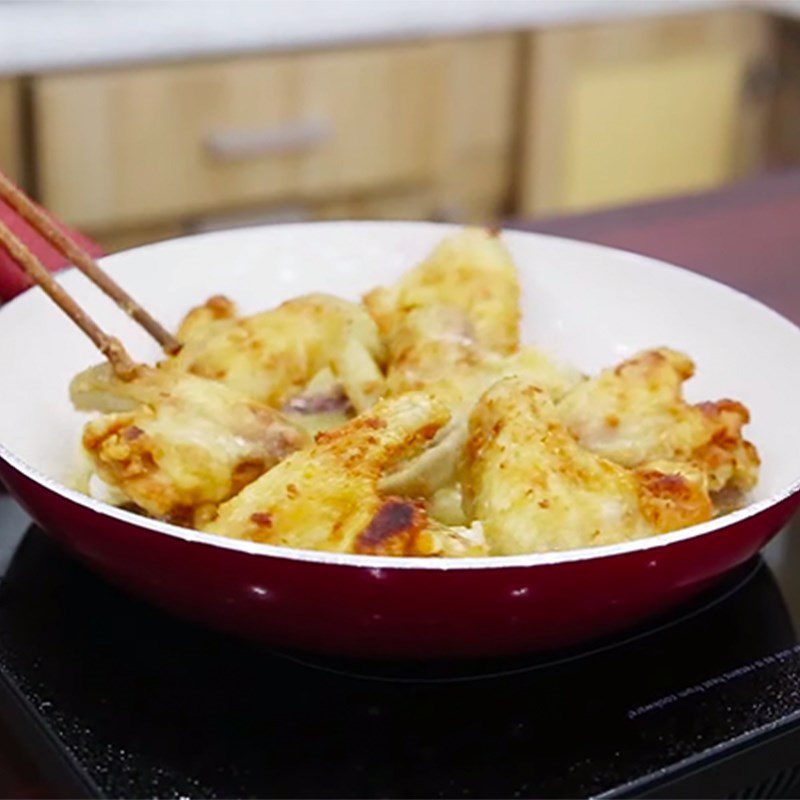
[[535, 488], [183, 444], [451, 327], [327, 497], [434, 432], [472, 274], [452, 322], [434, 473], [635, 412], [272, 356]]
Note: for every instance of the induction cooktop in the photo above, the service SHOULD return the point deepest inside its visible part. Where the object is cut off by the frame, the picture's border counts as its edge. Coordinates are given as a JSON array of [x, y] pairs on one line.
[[112, 698]]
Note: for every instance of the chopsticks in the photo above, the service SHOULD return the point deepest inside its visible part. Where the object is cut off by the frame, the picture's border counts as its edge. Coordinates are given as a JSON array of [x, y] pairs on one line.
[[112, 348]]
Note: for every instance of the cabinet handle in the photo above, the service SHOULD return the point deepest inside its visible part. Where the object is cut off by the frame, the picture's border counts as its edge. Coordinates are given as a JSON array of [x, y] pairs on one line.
[[761, 80], [292, 137]]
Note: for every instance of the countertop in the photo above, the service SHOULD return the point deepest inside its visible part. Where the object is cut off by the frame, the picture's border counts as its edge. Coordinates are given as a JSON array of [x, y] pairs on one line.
[[746, 235], [51, 36]]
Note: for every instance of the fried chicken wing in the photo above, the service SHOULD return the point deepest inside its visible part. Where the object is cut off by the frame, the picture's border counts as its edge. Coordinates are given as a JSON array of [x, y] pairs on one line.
[[327, 497], [451, 326], [412, 424], [635, 412], [178, 445], [470, 273], [534, 488], [435, 470], [271, 356], [450, 316]]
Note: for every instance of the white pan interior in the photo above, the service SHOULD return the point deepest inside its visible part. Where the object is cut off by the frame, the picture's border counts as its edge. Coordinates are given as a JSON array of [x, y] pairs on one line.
[[587, 304]]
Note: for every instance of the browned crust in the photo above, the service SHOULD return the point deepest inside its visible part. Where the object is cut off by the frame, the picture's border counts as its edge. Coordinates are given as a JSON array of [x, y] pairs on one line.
[[671, 501], [653, 359], [221, 307], [394, 530]]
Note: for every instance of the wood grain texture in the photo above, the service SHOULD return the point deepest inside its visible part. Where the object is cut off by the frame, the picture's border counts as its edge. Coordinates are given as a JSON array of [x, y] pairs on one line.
[[129, 147], [11, 156], [479, 126], [645, 103], [785, 129]]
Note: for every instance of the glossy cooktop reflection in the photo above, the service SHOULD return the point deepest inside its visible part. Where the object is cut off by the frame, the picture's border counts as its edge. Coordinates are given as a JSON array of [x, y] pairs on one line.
[[141, 704]]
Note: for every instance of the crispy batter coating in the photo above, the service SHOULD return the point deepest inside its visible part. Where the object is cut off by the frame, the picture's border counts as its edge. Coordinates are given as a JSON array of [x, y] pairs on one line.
[[535, 488], [327, 498], [271, 356], [186, 444], [435, 470], [471, 273], [635, 412], [451, 326], [728, 459], [431, 425]]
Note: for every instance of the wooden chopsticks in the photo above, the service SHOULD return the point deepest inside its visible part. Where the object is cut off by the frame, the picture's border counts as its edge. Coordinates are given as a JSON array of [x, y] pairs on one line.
[[112, 348]]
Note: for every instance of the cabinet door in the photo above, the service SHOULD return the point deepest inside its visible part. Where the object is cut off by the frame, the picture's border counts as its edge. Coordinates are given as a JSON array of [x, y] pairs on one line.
[[10, 130], [478, 126], [785, 142], [627, 111], [129, 147]]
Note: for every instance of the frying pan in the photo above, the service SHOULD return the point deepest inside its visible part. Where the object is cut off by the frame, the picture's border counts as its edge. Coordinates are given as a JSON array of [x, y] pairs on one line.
[[587, 304]]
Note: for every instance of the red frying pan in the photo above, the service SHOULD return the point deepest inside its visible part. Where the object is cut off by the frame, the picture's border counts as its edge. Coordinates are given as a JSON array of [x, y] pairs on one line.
[[591, 305]]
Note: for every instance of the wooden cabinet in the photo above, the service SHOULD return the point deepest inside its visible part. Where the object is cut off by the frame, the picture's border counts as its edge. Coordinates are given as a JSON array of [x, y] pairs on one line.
[[11, 157], [131, 148], [134, 146], [480, 120], [785, 133], [470, 129], [624, 111]]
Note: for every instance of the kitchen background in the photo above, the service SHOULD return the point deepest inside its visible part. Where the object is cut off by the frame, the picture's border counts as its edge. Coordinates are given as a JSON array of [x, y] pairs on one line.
[[137, 121]]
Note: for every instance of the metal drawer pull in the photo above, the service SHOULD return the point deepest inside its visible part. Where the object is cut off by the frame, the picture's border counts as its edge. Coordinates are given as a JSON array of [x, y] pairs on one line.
[[293, 137]]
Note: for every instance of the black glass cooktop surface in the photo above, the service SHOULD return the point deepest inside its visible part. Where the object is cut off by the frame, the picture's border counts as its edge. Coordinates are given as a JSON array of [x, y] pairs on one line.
[[114, 698]]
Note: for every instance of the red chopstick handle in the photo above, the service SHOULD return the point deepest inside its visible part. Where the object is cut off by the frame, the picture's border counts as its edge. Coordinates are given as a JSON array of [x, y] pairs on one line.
[[12, 279]]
